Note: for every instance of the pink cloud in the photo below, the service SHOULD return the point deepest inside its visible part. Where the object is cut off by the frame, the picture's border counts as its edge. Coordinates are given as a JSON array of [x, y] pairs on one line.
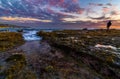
[[75, 0], [56, 2], [50, 10], [106, 9]]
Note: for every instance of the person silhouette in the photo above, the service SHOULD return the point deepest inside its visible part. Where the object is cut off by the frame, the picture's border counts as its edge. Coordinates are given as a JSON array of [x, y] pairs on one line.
[[108, 25]]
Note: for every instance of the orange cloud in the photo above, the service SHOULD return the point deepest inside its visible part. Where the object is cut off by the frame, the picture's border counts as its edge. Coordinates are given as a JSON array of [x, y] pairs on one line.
[[22, 19]]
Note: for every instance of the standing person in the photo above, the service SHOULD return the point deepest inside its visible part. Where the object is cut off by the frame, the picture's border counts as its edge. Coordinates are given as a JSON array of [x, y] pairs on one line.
[[108, 25]]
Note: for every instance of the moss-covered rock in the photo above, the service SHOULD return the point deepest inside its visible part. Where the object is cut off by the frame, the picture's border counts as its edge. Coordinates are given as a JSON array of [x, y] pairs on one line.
[[80, 44], [9, 40], [16, 68]]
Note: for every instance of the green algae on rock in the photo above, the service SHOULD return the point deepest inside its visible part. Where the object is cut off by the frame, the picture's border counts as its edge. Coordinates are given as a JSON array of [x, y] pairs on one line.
[[9, 40]]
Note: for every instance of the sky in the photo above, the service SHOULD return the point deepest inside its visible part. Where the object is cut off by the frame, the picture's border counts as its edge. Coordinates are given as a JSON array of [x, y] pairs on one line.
[[61, 13]]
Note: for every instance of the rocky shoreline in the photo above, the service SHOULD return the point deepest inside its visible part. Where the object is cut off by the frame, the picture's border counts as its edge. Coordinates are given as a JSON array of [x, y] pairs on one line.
[[67, 54], [83, 48]]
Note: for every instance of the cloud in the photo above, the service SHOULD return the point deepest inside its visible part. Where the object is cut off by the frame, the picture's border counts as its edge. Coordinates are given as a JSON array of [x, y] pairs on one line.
[[100, 4], [114, 12], [58, 11], [22, 19], [53, 10], [68, 5], [75, 0], [106, 9], [109, 4], [96, 4], [103, 17]]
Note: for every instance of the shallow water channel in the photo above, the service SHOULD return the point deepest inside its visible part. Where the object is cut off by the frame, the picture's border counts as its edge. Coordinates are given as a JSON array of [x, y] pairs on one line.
[[31, 35]]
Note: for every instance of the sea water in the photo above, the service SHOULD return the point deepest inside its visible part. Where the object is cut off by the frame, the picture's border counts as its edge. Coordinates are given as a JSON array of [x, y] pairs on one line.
[[31, 35]]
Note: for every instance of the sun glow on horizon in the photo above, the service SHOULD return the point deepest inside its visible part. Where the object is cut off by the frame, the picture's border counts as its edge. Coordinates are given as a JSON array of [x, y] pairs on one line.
[[112, 27]]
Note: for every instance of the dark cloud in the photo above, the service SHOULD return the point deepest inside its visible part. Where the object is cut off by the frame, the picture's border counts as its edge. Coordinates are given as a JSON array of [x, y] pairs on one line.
[[109, 4], [114, 13], [42, 9], [100, 4], [103, 17], [96, 4]]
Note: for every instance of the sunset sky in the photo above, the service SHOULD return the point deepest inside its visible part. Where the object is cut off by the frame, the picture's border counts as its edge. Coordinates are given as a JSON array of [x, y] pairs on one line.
[[61, 13]]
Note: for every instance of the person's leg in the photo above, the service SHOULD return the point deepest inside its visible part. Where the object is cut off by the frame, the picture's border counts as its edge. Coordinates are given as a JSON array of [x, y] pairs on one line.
[[107, 28]]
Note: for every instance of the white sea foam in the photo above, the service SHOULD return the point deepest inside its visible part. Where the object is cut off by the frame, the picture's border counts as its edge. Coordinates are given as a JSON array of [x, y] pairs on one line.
[[106, 46], [31, 35]]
